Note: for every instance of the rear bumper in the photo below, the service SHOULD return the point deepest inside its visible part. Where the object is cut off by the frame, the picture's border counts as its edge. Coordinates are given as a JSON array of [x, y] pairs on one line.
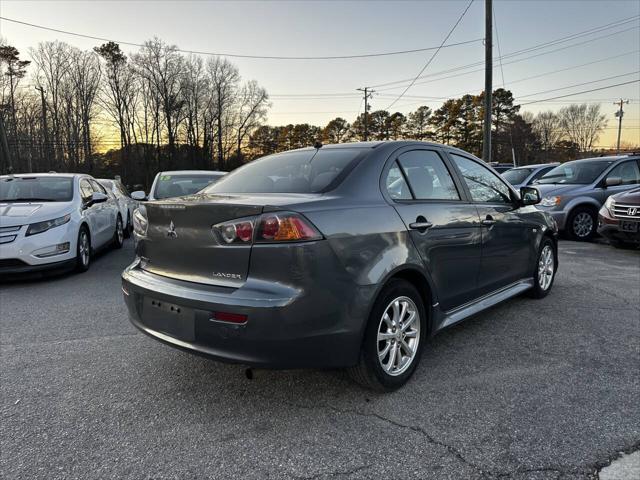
[[286, 327]]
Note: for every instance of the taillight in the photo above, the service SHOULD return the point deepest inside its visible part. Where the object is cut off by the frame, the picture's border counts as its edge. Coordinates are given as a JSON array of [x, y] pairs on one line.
[[285, 227], [268, 228]]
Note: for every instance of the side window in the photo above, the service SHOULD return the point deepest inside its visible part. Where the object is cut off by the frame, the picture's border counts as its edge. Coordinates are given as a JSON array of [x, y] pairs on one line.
[[396, 185], [541, 172], [122, 189], [627, 171], [97, 187], [428, 176], [483, 184], [85, 190]]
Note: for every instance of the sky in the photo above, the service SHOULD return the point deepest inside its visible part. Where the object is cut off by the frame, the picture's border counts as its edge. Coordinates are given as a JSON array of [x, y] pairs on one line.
[[305, 90]]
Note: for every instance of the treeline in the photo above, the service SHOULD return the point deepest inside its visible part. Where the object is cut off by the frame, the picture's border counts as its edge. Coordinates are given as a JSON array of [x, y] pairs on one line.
[[159, 109], [107, 113], [572, 131]]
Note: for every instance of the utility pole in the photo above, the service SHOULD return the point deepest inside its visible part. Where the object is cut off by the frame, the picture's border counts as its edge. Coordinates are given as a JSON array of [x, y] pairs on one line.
[[367, 95], [488, 79], [45, 129], [620, 114]]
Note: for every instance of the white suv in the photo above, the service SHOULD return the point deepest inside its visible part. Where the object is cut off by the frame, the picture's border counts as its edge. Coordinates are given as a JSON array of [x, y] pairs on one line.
[[54, 221]]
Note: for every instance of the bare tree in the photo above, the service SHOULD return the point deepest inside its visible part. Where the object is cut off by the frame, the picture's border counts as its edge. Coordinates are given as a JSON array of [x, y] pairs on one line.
[[253, 103], [85, 76], [163, 66], [547, 126], [224, 79], [582, 124]]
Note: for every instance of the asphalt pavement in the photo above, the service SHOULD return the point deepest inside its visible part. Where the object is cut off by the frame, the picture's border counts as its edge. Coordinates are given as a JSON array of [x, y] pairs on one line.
[[531, 389]]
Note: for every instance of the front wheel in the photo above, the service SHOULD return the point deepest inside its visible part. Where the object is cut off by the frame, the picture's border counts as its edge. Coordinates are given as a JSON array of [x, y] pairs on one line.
[[118, 235], [394, 338], [83, 250], [582, 224], [545, 271]]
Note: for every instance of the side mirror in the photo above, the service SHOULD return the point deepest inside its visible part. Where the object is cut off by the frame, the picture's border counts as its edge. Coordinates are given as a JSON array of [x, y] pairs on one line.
[[139, 195], [612, 182], [529, 196], [98, 197]]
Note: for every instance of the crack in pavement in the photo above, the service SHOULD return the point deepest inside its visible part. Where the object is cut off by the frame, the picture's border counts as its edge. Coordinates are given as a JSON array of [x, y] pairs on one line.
[[590, 471]]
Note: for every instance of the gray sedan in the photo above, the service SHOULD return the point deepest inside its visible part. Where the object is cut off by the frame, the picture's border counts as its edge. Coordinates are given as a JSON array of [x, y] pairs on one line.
[[344, 255], [523, 176]]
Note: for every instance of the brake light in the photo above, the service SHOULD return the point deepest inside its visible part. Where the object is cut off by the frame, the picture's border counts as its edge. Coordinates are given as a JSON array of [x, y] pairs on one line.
[[285, 227], [269, 228]]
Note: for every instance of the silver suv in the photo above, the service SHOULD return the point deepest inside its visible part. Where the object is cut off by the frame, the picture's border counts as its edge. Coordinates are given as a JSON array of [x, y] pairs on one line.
[[574, 191]]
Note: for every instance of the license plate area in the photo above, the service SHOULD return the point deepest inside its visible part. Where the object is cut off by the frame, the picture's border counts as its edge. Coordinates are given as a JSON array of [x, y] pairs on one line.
[[174, 320], [629, 227]]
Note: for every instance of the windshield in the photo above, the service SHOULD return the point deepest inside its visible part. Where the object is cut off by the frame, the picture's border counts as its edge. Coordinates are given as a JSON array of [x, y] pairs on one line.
[[516, 176], [36, 189], [177, 185], [576, 172], [304, 171]]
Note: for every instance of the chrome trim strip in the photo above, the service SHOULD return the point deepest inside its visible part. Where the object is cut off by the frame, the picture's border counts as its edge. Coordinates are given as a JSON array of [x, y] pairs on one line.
[[489, 300]]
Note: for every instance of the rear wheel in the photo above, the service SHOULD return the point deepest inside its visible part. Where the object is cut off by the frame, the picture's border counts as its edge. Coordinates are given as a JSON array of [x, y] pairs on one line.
[[83, 250], [545, 270], [582, 224], [393, 340]]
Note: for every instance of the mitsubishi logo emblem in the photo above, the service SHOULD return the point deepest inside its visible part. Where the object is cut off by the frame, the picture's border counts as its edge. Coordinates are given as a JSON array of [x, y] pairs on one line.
[[172, 231], [632, 211]]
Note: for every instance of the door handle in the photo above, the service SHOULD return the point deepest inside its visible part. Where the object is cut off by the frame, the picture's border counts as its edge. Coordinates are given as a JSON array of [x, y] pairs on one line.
[[488, 221], [420, 225]]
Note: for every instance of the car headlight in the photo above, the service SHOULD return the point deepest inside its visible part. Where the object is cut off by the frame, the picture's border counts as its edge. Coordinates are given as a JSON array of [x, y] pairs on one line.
[[610, 204], [40, 227], [550, 201], [140, 222]]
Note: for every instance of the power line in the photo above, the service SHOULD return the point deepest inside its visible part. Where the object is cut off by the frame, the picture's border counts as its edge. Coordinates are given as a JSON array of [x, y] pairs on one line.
[[579, 93], [532, 48], [237, 55], [579, 84], [432, 56]]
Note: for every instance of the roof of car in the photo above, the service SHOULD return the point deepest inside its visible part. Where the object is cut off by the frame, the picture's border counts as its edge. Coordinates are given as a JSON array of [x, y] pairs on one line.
[[29, 175], [192, 172]]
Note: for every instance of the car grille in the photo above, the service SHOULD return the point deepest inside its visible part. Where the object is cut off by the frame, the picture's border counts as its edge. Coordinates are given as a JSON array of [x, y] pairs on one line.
[[8, 234], [626, 211], [11, 262]]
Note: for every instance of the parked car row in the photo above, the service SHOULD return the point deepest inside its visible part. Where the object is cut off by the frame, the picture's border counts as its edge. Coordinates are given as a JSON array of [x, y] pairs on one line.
[[56, 221], [581, 195]]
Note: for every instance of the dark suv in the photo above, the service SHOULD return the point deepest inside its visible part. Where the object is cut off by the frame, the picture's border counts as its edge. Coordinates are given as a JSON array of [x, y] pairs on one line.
[[619, 219], [347, 255]]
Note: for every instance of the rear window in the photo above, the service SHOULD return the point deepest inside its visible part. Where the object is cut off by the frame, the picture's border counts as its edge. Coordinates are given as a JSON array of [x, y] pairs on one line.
[[171, 185], [36, 189], [517, 175], [306, 171]]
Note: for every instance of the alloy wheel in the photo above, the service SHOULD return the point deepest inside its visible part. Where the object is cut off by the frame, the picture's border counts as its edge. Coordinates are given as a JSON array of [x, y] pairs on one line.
[[546, 266], [84, 248], [398, 336], [583, 224], [119, 230]]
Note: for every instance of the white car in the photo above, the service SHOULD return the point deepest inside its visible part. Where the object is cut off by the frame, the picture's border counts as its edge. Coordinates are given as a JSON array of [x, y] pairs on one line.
[[126, 204], [178, 183], [55, 221]]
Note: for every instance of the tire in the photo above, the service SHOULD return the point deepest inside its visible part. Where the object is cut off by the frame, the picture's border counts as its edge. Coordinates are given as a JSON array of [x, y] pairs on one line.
[[578, 224], [545, 269], [381, 374], [128, 227], [83, 250], [118, 235]]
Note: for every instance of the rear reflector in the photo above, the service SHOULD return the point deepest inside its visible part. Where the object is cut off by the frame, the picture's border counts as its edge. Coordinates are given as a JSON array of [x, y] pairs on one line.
[[229, 317]]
